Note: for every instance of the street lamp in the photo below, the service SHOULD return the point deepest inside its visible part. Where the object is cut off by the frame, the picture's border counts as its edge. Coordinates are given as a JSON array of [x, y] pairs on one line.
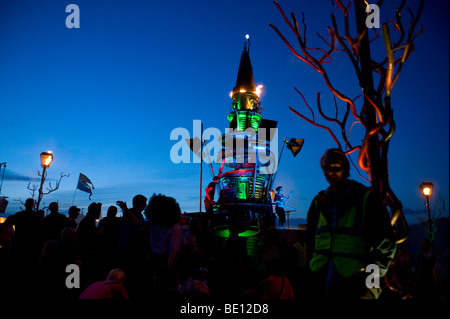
[[46, 160], [427, 189]]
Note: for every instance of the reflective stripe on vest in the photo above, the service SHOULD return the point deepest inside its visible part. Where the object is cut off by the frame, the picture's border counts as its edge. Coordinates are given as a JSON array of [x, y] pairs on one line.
[[345, 245]]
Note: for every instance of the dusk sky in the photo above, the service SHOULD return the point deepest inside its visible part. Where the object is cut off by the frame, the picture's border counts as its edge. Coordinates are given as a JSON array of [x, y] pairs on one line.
[[105, 97]]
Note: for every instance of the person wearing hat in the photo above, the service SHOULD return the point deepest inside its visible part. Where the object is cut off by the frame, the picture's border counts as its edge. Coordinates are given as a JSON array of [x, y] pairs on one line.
[[348, 230], [73, 213]]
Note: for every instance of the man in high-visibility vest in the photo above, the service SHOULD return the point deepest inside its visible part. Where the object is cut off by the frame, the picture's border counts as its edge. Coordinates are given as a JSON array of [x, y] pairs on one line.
[[348, 233]]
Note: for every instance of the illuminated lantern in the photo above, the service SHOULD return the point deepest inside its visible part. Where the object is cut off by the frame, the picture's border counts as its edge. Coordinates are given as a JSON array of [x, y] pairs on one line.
[[46, 159], [426, 188]]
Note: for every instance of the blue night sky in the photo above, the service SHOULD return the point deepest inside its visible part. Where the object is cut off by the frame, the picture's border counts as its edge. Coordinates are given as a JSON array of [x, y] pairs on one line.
[[105, 97]]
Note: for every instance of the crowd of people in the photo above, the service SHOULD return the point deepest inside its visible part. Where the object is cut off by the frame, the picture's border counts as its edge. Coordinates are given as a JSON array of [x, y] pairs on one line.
[[151, 251], [146, 252]]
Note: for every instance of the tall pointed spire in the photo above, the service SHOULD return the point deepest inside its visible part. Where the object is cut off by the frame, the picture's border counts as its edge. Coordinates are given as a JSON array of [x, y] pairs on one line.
[[244, 80], [246, 105]]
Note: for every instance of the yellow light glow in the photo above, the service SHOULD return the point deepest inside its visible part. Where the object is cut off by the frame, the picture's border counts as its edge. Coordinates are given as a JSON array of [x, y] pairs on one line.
[[46, 159], [426, 188], [2, 220], [258, 90], [426, 191]]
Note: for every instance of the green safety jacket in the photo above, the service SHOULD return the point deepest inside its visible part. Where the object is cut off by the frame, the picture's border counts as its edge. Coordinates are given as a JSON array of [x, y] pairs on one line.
[[345, 245]]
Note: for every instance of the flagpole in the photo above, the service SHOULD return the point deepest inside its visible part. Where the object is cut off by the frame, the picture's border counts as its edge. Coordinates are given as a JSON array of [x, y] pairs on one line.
[[278, 164], [201, 166], [76, 187], [73, 200], [209, 159]]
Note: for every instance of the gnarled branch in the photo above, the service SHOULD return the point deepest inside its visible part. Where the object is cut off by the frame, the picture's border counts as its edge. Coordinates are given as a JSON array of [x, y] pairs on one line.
[[51, 189], [375, 113]]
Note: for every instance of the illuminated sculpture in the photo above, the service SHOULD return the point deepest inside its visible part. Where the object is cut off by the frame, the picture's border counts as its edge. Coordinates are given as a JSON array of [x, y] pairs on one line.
[[248, 164]]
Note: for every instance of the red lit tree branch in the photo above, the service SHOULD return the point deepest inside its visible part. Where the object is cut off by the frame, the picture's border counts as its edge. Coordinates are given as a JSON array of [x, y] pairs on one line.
[[375, 113]]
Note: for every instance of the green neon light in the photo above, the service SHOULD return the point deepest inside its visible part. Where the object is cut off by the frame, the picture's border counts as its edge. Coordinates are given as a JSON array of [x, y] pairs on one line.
[[225, 233], [248, 119], [242, 121], [230, 117], [242, 189], [238, 103]]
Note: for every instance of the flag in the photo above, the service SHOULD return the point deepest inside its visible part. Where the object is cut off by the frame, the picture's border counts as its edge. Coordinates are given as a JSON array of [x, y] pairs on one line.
[[83, 184], [195, 145]]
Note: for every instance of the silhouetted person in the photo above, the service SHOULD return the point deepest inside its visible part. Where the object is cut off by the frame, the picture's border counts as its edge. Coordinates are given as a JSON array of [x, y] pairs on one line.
[[139, 236], [54, 222], [6, 281], [89, 239], [6, 236], [26, 244], [348, 229], [55, 256], [111, 288], [132, 244], [165, 239], [111, 223], [139, 203], [68, 252], [109, 227], [28, 230], [73, 213], [132, 227], [87, 229]]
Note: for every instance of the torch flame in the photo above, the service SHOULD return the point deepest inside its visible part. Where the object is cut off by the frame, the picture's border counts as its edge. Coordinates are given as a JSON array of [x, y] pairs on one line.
[[258, 90]]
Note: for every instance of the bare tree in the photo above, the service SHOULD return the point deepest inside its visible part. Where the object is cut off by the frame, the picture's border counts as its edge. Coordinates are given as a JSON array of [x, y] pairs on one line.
[[32, 188], [50, 189], [375, 112], [429, 218]]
